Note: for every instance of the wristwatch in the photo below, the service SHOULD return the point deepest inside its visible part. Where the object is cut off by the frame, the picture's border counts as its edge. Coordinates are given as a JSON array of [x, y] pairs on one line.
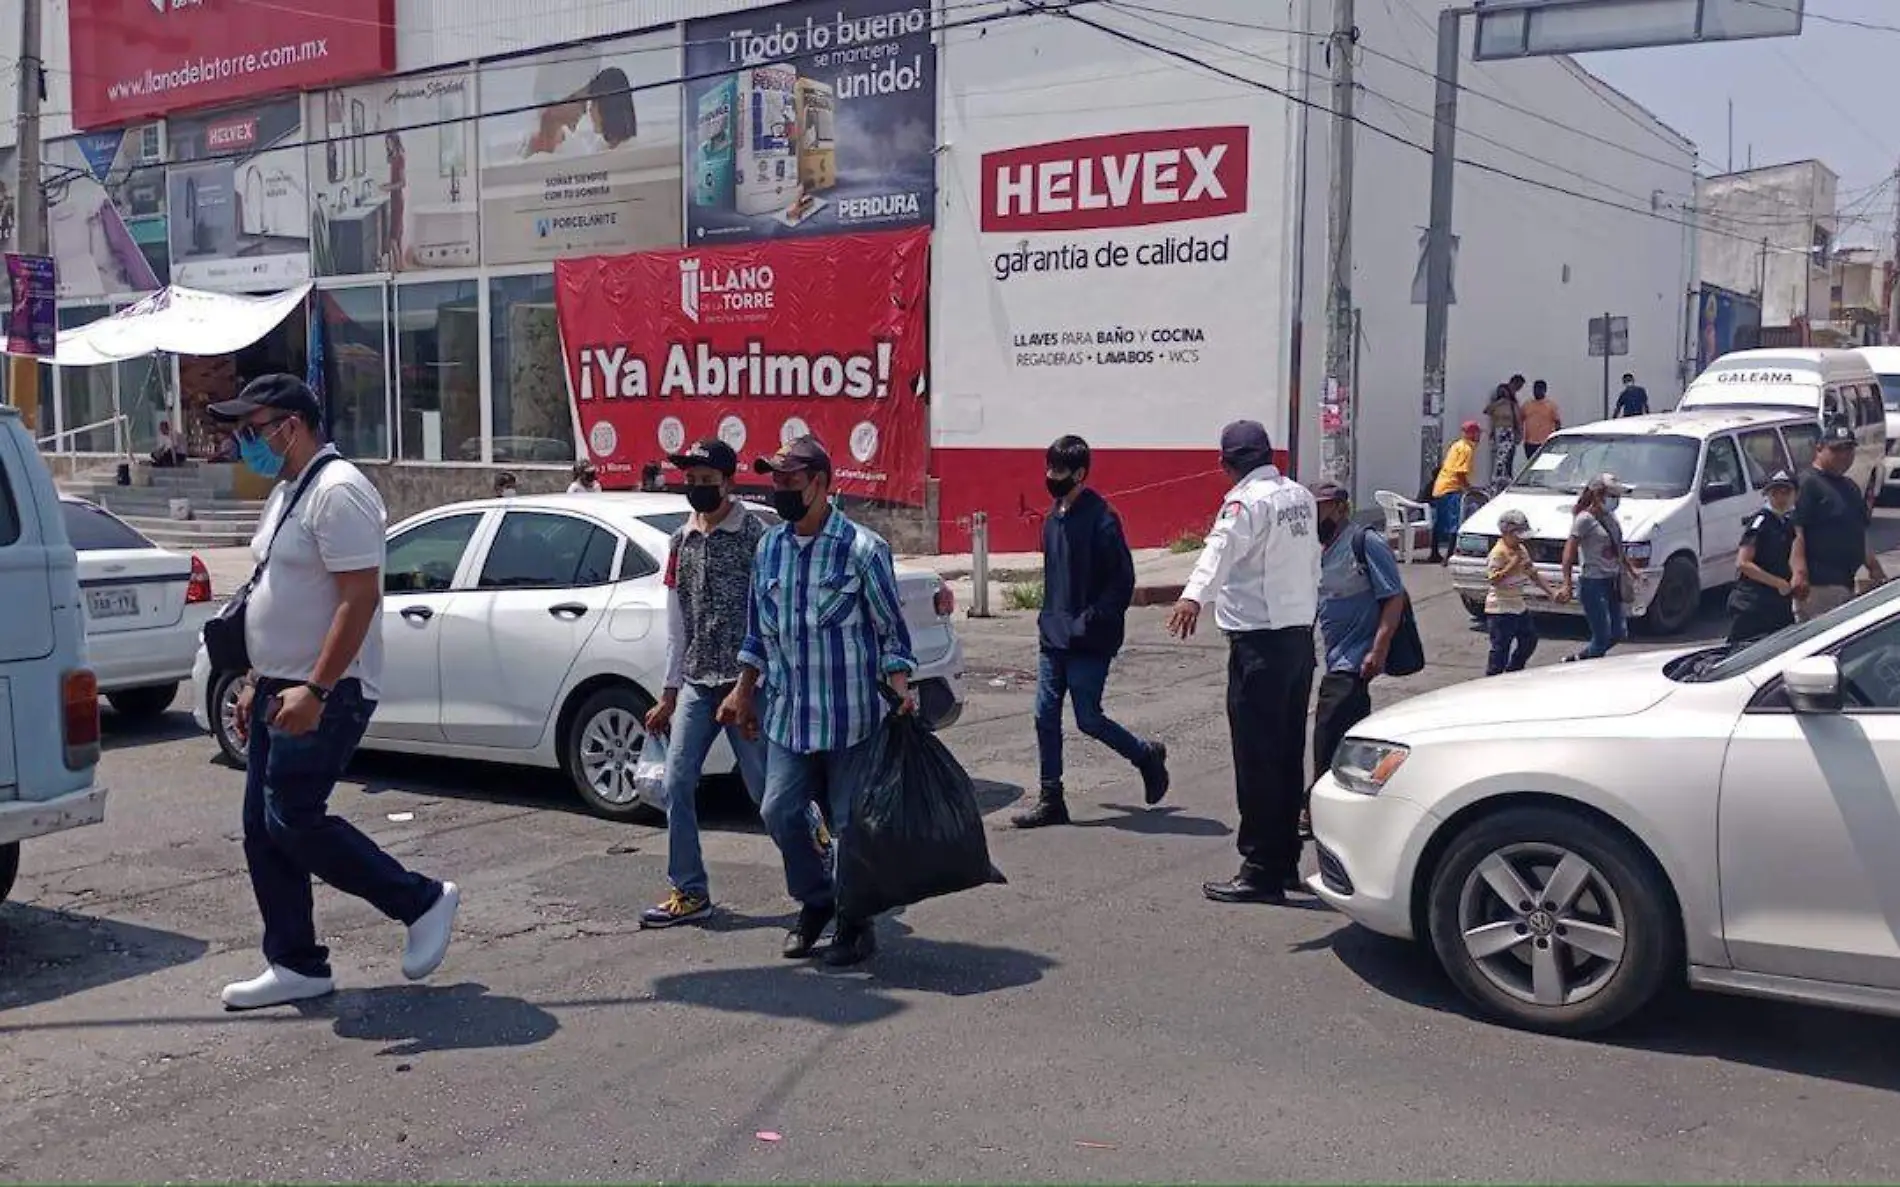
[[317, 690]]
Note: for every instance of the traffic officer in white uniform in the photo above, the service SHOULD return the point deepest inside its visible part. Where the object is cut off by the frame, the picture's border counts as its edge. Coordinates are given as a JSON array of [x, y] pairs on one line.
[[1261, 567]]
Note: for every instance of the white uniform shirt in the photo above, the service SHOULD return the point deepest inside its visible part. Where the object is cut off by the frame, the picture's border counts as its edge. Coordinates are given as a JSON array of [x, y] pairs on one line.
[[1261, 562], [337, 527]]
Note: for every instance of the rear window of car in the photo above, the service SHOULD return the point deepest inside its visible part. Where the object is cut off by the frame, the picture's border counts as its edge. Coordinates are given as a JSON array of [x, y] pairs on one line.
[[668, 522], [93, 530]]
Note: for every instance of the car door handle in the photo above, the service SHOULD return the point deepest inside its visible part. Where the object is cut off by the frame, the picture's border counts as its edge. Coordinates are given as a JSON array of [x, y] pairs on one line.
[[568, 610], [417, 613]]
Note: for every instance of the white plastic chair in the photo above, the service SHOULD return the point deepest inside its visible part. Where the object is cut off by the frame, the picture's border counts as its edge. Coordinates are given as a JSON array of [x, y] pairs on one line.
[[1405, 519]]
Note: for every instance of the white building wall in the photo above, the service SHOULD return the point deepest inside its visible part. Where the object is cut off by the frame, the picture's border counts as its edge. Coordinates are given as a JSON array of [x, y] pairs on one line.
[[1533, 266], [1758, 229]]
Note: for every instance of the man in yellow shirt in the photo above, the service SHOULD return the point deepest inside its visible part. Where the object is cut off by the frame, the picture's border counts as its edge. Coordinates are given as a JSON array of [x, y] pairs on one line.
[[1541, 419], [1456, 475]]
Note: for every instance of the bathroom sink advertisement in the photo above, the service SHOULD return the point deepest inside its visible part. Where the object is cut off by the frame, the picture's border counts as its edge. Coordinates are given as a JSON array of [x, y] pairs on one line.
[[810, 119], [757, 344], [580, 150], [390, 184], [239, 199]]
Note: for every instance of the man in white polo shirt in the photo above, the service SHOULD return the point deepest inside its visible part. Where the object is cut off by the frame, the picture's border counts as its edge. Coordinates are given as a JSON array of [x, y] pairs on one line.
[[313, 627]]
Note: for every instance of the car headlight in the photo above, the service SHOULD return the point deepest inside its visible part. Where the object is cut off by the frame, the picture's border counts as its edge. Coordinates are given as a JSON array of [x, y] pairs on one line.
[[1638, 552], [1474, 544], [1364, 766]]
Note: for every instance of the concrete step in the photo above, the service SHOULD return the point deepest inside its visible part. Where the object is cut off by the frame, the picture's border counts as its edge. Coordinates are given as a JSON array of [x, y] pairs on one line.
[[184, 536]]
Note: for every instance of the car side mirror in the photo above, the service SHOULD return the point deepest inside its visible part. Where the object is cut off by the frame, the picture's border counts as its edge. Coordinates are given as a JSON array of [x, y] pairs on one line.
[[1814, 684], [1716, 491]]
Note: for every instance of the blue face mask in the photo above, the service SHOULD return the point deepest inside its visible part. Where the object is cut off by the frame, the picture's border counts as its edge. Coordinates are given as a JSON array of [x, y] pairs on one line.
[[264, 461]]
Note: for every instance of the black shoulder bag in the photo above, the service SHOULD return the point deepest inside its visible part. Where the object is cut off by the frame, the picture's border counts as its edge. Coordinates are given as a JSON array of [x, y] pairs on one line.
[[224, 633], [1406, 656]]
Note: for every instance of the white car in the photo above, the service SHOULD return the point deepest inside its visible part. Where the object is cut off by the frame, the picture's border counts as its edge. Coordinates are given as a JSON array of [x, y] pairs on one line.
[[533, 631], [145, 608], [1571, 841]]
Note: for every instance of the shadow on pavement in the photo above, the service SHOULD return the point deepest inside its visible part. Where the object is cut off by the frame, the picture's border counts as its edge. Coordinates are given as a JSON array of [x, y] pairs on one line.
[[416, 1019], [1802, 1040], [46, 955], [1164, 821], [992, 796], [118, 732]]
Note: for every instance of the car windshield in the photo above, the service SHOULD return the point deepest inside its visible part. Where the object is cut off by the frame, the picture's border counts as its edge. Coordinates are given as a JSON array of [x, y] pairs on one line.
[[1650, 467], [1890, 392], [94, 530], [1721, 663]]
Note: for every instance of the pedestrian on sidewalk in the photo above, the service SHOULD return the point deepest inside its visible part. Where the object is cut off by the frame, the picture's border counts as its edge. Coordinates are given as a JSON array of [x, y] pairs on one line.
[[1088, 580], [1457, 476], [1541, 418], [586, 480], [824, 632], [1361, 601], [313, 627], [1831, 516], [1596, 542], [1507, 429], [1261, 568], [1508, 570], [1763, 598], [507, 486], [1633, 400]]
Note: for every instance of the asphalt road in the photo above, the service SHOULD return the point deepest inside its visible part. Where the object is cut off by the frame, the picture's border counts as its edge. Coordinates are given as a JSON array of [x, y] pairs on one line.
[[1093, 1020]]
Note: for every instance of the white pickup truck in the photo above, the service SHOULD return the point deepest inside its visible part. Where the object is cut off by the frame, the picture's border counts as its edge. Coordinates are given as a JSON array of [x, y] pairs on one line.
[[49, 699]]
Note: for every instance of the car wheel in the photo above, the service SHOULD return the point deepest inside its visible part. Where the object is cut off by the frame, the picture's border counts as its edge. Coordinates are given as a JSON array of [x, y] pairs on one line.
[[9, 868], [603, 748], [1553, 922], [1677, 598], [222, 710], [143, 704]]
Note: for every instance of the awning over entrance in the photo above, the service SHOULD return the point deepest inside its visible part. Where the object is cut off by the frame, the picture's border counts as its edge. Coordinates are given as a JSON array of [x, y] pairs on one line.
[[177, 321]]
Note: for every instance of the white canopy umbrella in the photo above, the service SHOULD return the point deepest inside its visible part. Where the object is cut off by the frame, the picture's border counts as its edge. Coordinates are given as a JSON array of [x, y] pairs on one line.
[[177, 321]]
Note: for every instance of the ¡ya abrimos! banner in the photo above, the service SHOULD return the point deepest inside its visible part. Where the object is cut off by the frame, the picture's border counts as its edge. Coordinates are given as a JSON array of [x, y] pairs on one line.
[[756, 345]]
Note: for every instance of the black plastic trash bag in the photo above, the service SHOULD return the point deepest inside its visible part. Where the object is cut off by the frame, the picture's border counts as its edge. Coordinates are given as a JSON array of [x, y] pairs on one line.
[[915, 831]]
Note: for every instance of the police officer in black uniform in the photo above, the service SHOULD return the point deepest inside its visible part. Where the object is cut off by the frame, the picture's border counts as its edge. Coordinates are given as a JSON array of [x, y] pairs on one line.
[[1762, 601]]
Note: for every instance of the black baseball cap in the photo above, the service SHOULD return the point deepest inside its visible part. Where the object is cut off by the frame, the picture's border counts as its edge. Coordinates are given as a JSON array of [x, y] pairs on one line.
[[280, 393], [709, 452], [1835, 436], [803, 456], [1779, 478], [1245, 437]]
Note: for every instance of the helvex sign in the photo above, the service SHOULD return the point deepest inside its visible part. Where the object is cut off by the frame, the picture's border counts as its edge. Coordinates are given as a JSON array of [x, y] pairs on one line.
[[1127, 180], [135, 59]]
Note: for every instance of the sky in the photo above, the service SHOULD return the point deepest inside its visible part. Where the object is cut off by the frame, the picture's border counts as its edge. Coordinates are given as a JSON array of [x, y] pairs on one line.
[[1827, 94]]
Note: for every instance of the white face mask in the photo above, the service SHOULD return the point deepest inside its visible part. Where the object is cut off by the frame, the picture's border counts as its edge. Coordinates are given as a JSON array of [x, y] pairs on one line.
[[1612, 502]]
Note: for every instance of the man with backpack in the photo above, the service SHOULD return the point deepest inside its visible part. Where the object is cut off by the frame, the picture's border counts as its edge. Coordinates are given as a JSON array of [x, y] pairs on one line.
[[1361, 609]]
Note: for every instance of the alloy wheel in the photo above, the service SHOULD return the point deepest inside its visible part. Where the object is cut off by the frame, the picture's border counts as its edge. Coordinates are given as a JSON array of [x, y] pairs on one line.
[[609, 752], [1542, 924]]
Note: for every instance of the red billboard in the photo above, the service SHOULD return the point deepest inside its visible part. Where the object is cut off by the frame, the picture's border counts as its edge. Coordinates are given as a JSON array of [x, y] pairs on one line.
[[756, 345], [135, 59]]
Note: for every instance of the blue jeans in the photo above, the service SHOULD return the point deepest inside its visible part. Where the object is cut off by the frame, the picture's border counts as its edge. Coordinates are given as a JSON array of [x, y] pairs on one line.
[[793, 782], [1448, 513], [1513, 639], [1081, 678], [692, 735], [1602, 601], [290, 836]]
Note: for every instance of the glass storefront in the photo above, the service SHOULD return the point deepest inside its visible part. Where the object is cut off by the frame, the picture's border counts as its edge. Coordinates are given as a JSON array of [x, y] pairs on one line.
[[532, 422], [356, 369], [439, 371], [85, 394]]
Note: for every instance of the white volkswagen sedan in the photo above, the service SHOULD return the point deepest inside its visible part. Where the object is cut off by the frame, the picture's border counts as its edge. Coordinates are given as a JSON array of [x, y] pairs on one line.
[[145, 607], [1571, 841], [533, 631]]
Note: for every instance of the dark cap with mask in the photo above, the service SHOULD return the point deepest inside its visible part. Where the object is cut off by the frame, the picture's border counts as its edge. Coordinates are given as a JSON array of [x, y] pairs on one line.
[[1245, 446], [803, 456], [1838, 437], [278, 393], [711, 453]]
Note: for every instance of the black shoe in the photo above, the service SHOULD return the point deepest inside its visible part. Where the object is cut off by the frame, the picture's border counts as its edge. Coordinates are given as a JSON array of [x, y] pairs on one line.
[[1154, 773], [1294, 884], [1241, 890], [1049, 809], [812, 922], [854, 944]]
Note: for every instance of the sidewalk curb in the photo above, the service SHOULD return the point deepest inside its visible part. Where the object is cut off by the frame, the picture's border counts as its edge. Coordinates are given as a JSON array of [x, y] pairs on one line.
[[1161, 594]]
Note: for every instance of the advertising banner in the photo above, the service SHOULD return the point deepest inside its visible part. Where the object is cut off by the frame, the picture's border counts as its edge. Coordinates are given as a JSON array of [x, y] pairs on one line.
[[581, 150], [105, 212], [390, 185], [1722, 324], [820, 117], [32, 328], [757, 345], [240, 205], [136, 59]]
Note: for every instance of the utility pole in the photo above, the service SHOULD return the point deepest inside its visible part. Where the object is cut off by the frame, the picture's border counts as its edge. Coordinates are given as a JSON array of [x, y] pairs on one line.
[[1338, 407], [1438, 247], [1892, 326], [29, 222]]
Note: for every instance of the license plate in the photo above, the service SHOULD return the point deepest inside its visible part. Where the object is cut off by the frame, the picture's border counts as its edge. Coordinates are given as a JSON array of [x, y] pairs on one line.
[[113, 603]]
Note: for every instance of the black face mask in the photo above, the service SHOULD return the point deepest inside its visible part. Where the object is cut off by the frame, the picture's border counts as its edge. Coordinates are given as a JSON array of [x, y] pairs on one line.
[[1328, 530], [705, 499], [1059, 488], [790, 505]]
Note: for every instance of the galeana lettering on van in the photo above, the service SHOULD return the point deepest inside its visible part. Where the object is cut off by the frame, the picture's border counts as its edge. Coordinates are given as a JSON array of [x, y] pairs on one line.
[[1755, 377]]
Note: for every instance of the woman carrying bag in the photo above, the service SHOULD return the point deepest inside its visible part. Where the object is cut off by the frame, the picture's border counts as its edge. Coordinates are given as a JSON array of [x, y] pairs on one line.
[[1609, 580]]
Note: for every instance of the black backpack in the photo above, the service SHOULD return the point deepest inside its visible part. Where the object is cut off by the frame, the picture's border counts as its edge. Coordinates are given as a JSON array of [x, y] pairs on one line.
[[1406, 657]]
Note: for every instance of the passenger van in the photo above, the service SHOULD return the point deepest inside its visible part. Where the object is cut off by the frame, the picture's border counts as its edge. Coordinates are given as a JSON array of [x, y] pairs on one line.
[[1833, 386], [49, 701], [1692, 478], [1885, 360]]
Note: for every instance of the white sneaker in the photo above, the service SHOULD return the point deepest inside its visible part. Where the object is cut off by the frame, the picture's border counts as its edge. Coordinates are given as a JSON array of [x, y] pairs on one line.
[[429, 935], [275, 986]]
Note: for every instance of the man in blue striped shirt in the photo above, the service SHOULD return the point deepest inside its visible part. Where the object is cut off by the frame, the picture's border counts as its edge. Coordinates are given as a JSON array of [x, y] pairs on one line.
[[824, 630]]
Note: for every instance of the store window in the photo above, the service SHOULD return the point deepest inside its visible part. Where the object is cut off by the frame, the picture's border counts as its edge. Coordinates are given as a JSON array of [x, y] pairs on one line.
[[532, 421], [438, 358], [356, 369], [85, 395], [145, 396]]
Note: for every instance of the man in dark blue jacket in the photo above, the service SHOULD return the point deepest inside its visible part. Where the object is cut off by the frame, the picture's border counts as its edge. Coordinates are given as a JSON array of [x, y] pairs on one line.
[[1088, 579]]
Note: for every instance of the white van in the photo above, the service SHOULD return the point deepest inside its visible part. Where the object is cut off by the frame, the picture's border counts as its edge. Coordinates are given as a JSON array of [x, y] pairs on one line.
[[1693, 478], [1834, 386], [1885, 361]]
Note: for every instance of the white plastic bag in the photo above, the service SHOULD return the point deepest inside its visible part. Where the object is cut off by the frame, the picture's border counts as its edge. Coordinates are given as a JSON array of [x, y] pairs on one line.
[[649, 771]]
